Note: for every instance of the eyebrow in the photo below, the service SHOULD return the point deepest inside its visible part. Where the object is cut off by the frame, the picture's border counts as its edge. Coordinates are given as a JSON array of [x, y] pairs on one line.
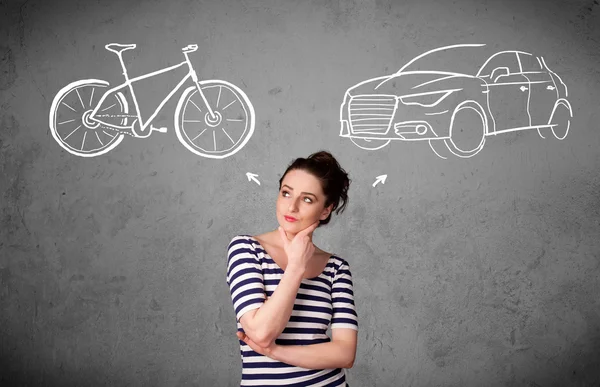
[[306, 193]]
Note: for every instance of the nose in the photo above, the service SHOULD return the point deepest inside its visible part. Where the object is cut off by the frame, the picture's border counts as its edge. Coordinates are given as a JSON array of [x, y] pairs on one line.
[[293, 206]]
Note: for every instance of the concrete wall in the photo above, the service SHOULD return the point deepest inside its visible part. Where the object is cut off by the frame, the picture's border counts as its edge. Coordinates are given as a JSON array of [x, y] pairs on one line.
[[480, 271]]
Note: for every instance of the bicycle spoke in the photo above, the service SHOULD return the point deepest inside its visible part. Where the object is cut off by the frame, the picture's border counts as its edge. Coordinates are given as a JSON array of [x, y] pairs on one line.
[[109, 107], [199, 134], [83, 142], [72, 132], [80, 100], [69, 107], [98, 137], [195, 105], [231, 119], [92, 97], [64, 122], [108, 134], [215, 140], [219, 97], [193, 120], [229, 104], [223, 129]]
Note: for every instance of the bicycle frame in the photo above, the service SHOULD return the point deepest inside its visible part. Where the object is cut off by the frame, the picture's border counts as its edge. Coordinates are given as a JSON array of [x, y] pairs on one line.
[[143, 125]]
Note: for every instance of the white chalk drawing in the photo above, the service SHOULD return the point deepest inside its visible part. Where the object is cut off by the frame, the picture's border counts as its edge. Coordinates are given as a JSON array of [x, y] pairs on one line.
[[455, 109], [252, 177], [213, 118], [380, 179]]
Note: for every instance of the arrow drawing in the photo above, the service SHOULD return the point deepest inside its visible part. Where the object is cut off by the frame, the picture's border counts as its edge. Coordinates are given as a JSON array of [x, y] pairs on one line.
[[380, 179], [252, 176]]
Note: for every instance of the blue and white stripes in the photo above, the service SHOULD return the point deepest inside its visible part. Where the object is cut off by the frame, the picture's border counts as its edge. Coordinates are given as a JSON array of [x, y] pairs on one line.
[[323, 301]]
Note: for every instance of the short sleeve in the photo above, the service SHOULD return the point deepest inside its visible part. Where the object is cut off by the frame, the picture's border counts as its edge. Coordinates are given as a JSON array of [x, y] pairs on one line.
[[244, 276], [342, 295]]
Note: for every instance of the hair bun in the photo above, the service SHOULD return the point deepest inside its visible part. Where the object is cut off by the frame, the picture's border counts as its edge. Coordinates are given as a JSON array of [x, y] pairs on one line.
[[323, 157]]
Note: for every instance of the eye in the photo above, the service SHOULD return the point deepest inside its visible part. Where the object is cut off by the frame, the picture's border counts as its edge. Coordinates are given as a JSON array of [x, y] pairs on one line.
[[307, 198], [284, 193]]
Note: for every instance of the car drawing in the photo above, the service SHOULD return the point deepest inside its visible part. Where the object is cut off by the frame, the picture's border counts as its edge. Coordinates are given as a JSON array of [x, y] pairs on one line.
[[453, 100]]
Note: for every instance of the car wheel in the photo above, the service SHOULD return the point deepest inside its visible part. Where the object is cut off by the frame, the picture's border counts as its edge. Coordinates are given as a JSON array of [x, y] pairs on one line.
[[369, 144], [468, 127]]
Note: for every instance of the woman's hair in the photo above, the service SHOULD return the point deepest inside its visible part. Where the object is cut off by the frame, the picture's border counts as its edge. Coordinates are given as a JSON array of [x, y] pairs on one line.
[[334, 180]]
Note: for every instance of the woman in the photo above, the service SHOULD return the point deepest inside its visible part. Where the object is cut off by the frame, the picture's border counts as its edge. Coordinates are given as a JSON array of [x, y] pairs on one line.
[[286, 291]]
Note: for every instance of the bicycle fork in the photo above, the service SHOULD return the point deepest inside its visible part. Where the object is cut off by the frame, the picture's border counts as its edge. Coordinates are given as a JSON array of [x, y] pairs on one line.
[[186, 51]]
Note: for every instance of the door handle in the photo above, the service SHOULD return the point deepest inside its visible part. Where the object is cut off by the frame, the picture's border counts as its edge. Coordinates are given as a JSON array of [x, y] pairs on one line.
[[523, 88]]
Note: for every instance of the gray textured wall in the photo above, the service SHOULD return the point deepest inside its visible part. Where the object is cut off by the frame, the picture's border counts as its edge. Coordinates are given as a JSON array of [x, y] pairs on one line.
[[468, 272]]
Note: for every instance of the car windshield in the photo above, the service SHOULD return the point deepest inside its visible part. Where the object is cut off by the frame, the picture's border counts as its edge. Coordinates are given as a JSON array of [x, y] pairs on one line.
[[461, 59]]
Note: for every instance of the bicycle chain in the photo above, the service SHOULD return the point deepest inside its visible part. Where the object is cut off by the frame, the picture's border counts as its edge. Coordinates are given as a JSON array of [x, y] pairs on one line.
[[116, 130], [113, 129]]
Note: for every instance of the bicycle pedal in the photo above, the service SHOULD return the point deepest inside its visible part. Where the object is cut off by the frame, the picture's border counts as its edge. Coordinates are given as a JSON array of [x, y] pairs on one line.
[[161, 129]]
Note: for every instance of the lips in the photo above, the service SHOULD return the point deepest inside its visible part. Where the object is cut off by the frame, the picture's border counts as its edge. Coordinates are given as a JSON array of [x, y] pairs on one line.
[[290, 218]]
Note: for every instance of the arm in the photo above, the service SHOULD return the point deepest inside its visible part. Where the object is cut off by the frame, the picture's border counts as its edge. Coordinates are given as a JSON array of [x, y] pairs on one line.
[[265, 324], [339, 353], [262, 320]]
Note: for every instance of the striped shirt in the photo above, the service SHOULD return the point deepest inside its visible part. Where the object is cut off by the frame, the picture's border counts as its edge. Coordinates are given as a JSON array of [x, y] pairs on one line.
[[321, 302]]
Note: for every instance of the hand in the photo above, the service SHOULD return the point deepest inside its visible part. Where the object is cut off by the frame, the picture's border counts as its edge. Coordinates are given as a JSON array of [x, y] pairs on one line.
[[300, 249], [255, 347]]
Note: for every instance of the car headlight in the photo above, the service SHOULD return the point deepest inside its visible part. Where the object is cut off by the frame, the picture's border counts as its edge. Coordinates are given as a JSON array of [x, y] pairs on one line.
[[429, 99]]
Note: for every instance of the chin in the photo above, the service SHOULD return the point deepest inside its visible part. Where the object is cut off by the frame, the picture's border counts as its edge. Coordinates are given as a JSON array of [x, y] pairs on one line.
[[290, 226]]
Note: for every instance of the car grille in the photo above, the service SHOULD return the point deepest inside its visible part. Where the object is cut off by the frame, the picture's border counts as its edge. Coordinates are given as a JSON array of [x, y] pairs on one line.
[[371, 113]]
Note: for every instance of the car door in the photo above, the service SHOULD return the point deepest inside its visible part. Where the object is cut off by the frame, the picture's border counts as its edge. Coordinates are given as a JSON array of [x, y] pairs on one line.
[[507, 92], [543, 91]]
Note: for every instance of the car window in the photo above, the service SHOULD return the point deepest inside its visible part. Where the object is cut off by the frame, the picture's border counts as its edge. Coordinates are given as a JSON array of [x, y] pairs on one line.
[[529, 63], [503, 59]]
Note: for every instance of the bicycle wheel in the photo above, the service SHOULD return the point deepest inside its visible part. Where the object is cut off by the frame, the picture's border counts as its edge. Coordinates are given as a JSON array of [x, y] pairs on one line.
[[69, 118], [223, 135]]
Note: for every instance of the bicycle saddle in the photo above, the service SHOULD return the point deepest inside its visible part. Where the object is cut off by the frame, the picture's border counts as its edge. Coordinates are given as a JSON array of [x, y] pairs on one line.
[[190, 48], [117, 48]]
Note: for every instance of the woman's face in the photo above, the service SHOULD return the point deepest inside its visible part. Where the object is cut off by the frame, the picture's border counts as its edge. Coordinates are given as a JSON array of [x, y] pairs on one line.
[[300, 202]]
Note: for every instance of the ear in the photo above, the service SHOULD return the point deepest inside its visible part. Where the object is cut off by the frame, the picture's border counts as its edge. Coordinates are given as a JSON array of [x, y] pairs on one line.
[[326, 212]]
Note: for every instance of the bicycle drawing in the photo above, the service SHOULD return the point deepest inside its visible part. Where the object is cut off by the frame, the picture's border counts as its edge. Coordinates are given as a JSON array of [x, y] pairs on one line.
[[213, 118]]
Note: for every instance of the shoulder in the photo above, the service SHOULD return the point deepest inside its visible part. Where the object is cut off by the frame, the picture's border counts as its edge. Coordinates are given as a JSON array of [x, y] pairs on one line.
[[338, 261], [243, 263], [241, 243], [340, 265], [242, 239]]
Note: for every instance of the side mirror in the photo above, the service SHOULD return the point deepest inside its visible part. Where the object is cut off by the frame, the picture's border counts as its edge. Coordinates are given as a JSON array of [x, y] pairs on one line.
[[499, 72]]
